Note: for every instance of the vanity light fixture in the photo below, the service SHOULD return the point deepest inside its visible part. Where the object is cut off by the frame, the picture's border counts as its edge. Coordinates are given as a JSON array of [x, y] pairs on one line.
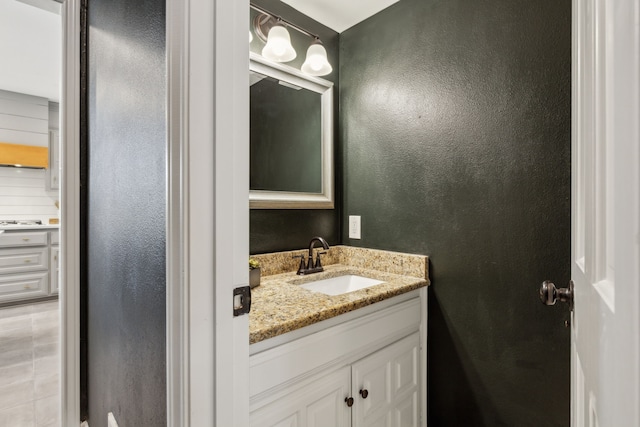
[[272, 30], [316, 63], [278, 47]]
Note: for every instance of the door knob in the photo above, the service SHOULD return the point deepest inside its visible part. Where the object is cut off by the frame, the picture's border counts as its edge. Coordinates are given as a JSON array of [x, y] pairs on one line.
[[549, 294]]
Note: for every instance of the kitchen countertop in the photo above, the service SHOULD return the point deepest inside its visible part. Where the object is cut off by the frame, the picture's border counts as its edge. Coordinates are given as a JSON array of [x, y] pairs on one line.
[[279, 305], [29, 227]]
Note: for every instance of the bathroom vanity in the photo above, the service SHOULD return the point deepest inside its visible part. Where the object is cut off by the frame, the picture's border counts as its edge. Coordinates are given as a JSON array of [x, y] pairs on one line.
[[354, 359]]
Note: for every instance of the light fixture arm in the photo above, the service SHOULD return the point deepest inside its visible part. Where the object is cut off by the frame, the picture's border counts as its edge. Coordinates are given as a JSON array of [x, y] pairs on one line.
[[284, 21]]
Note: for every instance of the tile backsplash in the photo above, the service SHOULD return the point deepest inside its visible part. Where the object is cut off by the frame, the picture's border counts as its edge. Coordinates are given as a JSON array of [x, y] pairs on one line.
[[23, 195]]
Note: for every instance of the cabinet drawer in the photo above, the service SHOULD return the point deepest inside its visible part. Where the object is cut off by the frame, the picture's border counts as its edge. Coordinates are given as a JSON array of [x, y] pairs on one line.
[[23, 286], [23, 260], [23, 238], [55, 237]]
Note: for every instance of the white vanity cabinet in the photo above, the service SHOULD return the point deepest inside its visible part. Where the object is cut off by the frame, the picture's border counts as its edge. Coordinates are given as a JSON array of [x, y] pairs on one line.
[[317, 402], [366, 368], [25, 261], [386, 386]]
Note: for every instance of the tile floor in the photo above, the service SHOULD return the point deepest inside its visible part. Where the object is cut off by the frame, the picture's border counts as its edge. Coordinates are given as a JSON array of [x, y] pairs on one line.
[[29, 365]]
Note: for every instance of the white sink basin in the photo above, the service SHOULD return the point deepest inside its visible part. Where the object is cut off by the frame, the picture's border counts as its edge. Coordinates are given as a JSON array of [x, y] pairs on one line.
[[341, 284]]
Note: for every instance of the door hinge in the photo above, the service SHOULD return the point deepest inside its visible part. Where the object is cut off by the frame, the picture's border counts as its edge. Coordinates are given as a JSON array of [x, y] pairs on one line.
[[241, 300]]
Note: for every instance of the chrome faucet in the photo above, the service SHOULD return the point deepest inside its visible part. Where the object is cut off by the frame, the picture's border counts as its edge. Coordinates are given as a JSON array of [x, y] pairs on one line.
[[312, 267]]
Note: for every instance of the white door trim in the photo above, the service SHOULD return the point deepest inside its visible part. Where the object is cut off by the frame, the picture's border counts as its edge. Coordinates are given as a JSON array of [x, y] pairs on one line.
[[178, 391], [231, 182], [70, 220], [208, 212]]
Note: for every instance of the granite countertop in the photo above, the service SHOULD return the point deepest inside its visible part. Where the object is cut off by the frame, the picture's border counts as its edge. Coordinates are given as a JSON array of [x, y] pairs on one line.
[[279, 305]]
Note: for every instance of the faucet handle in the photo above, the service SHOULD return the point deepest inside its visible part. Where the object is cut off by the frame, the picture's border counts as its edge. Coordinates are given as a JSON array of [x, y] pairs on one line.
[[318, 263], [301, 267]]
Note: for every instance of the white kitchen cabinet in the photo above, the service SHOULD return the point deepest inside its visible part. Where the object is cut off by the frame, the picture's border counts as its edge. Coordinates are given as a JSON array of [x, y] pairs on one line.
[[375, 357], [29, 264], [54, 269], [23, 260], [54, 265], [23, 238], [24, 286]]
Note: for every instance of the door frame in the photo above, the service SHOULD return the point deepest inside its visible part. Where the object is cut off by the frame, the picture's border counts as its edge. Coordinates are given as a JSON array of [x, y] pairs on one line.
[[208, 211], [69, 296], [207, 235]]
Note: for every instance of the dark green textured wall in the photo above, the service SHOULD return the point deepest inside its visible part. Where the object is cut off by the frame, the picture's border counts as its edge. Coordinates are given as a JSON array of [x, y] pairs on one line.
[[125, 211], [455, 133], [273, 230]]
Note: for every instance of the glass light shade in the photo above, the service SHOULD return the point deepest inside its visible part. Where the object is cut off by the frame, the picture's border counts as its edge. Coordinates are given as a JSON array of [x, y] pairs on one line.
[[316, 63], [278, 47]]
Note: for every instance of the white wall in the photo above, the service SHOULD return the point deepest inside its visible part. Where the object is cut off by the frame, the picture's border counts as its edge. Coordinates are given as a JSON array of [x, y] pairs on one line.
[[26, 120]]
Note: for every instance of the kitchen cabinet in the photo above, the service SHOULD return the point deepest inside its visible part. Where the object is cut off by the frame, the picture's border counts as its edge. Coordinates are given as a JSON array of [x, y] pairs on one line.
[[54, 265], [25, 261], [19, 238], [366, 371]]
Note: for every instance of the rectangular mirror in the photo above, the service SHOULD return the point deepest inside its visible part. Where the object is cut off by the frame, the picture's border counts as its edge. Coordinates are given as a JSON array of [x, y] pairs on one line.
[[291, 165]]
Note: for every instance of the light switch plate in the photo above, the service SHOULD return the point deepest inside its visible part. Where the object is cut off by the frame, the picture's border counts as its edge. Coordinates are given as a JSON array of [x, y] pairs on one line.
[[354, 226]]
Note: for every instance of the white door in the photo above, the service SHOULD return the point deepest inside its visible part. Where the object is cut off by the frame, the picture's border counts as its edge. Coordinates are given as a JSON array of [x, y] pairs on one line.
[[605, 255]]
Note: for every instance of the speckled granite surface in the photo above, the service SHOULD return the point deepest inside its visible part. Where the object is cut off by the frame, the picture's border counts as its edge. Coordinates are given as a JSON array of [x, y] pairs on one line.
[[279, 305]]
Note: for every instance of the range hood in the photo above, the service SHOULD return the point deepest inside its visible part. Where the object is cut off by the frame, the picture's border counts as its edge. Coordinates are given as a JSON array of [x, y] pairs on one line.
[[24, 156]]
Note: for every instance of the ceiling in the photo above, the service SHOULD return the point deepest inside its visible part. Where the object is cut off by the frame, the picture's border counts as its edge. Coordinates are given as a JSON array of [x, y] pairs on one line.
[[30, 49], [339, 15]]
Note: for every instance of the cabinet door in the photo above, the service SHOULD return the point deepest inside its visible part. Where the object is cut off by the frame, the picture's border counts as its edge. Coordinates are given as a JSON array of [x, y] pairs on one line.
[[55, 270], [319, 403], [386, 386]]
